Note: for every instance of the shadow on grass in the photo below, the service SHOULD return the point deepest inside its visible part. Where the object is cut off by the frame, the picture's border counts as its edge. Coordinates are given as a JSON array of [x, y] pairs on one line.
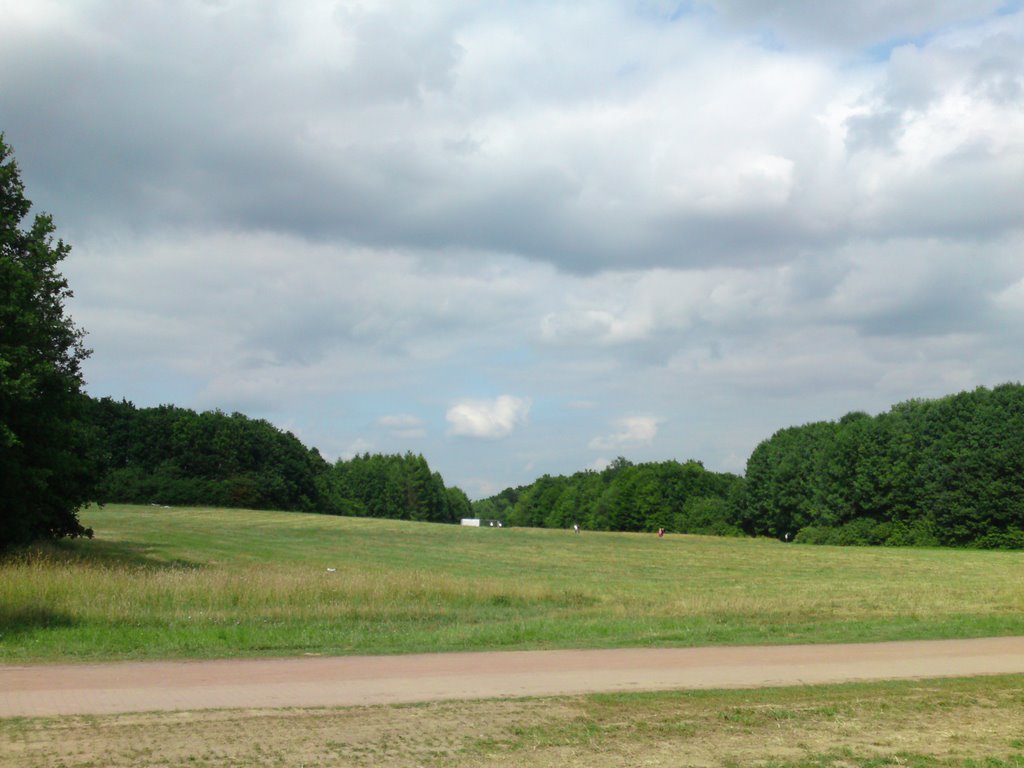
[[17, 621], [97, 552]]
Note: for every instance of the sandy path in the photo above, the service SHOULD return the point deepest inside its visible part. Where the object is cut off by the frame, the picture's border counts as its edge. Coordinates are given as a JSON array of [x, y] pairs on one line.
[[343, 681]]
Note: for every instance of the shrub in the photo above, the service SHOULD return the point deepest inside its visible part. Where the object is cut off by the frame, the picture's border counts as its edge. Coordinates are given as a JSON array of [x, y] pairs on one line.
[[1004, 540]]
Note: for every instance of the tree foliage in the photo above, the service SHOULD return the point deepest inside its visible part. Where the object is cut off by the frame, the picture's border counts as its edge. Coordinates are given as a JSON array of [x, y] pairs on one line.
[[679, 497], [175, 456], [400, 487], [171, 455], [927, 472], [46, 459]]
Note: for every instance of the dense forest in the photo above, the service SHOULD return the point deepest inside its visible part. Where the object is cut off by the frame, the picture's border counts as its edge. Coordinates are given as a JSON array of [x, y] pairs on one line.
[[398, 487], [927, 472], [171, 455], [680, 497]]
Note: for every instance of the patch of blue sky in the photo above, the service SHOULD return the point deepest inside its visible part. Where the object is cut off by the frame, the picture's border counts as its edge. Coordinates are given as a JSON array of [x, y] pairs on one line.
[[1010, 8], [667, 11], [882, 51]]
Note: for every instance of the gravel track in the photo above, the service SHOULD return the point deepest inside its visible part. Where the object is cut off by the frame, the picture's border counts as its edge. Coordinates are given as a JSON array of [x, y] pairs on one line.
[[319, 681]]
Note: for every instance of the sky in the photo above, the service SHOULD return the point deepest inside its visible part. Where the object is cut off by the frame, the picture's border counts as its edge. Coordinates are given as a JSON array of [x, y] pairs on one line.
[[530, 237]]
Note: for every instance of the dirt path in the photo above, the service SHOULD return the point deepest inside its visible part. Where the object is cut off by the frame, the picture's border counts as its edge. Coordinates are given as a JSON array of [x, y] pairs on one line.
[[344, 681]]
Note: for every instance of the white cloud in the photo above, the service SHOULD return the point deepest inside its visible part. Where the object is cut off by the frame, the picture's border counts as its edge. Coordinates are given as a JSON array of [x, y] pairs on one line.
[[630, 431], [489, 419]]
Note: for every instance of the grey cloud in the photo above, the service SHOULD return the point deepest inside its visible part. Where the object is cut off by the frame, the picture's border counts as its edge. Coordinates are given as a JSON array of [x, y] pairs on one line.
[[875, 130], [931, 316], [1000, 74], [852, 24], [175, 117], [920, 289], [962, 199], [948, 302], [215, 119], [396, 57], [365, 128], [254, 303], [990, 67]]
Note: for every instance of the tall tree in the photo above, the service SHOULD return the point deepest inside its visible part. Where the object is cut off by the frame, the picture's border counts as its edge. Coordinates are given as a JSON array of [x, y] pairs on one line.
[[48, 466]]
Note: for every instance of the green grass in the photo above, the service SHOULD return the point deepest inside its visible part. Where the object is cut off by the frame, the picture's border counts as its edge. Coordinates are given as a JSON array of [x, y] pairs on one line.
[[183, 583], [921, 723]]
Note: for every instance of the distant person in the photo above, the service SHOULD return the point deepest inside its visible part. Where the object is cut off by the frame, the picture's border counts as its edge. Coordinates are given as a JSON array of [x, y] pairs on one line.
[[661, 532], [576, 527]]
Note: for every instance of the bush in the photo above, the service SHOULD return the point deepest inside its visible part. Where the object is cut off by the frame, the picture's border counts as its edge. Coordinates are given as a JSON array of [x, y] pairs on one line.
[[865, 532], [705, 516], [1005, 540], [814, 534], [919, 533], [856, 533]]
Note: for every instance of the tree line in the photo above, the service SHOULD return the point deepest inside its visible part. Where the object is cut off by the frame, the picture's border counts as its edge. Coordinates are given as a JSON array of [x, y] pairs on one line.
[[175, 456], [945, 472], [927, 472], [683, 497]]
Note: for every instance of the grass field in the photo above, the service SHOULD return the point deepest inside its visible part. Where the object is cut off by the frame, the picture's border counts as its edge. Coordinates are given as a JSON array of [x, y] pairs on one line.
[[179, 583], [205, 583]]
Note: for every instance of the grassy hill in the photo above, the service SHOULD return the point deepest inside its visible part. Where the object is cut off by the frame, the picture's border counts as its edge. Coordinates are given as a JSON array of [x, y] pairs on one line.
[[160, 582]]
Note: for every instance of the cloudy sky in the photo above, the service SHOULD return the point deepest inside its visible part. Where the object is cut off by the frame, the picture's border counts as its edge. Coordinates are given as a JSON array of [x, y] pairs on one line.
[[528, 237]]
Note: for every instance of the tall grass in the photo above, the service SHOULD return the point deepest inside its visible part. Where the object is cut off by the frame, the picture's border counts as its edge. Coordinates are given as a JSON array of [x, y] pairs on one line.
[[206, 582]]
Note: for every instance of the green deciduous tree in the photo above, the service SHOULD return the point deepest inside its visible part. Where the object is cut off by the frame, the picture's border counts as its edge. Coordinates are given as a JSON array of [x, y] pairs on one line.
[[171, 455], [624, 497], [47, 464], [947, 471]]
